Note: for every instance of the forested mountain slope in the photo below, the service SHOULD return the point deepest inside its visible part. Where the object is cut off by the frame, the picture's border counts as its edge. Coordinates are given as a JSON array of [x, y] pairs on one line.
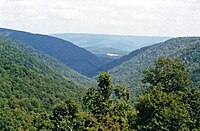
[[29, 87], [48, 60], [191, 56], [71, 55], [130, 72]]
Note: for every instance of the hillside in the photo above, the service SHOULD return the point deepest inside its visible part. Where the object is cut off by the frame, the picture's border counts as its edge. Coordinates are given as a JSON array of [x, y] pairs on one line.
[[29, 87], [130, 72], [71, 55], [48, 60], [191, 55]]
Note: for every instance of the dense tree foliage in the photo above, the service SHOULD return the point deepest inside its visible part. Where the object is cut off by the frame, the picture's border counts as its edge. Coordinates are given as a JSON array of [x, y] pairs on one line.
[[106, 108], [65, 115], [168, 104], [191, 98], [171, 74], [109, 104], [28, 88], [159, 107], [159, 110]]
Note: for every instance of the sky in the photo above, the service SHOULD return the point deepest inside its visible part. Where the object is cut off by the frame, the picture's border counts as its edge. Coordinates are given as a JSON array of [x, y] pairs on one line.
[[120, 17]]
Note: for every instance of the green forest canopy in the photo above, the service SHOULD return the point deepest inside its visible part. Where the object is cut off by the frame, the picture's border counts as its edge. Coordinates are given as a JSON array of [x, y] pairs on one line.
[[34, 97], [28, 87]]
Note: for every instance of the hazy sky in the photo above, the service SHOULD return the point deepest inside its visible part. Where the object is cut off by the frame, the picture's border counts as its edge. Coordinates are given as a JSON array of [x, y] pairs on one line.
[[133, 17]]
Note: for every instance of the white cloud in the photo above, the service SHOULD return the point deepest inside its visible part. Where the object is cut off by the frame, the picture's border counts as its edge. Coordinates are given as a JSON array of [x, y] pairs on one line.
[[136, 17]]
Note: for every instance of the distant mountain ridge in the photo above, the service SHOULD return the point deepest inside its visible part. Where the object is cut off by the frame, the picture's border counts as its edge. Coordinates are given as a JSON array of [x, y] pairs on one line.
[[126, 43], [71, 55]]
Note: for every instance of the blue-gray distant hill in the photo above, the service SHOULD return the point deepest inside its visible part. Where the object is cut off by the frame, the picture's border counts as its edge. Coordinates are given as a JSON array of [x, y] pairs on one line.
[[71, 55], [120, 42]]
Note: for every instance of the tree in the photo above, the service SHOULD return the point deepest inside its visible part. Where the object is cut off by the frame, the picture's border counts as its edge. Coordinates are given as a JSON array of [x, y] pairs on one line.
[[109, 105], [98, 101], [43, 122], [191, 97], [105, 85], [168, 104], [158, 110], [171, 74], [108, 108], [65, 115]]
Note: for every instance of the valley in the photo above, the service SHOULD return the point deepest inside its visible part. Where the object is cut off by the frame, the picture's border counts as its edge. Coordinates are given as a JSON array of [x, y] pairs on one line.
[[99, 65], [45, 80], [101, 45]]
